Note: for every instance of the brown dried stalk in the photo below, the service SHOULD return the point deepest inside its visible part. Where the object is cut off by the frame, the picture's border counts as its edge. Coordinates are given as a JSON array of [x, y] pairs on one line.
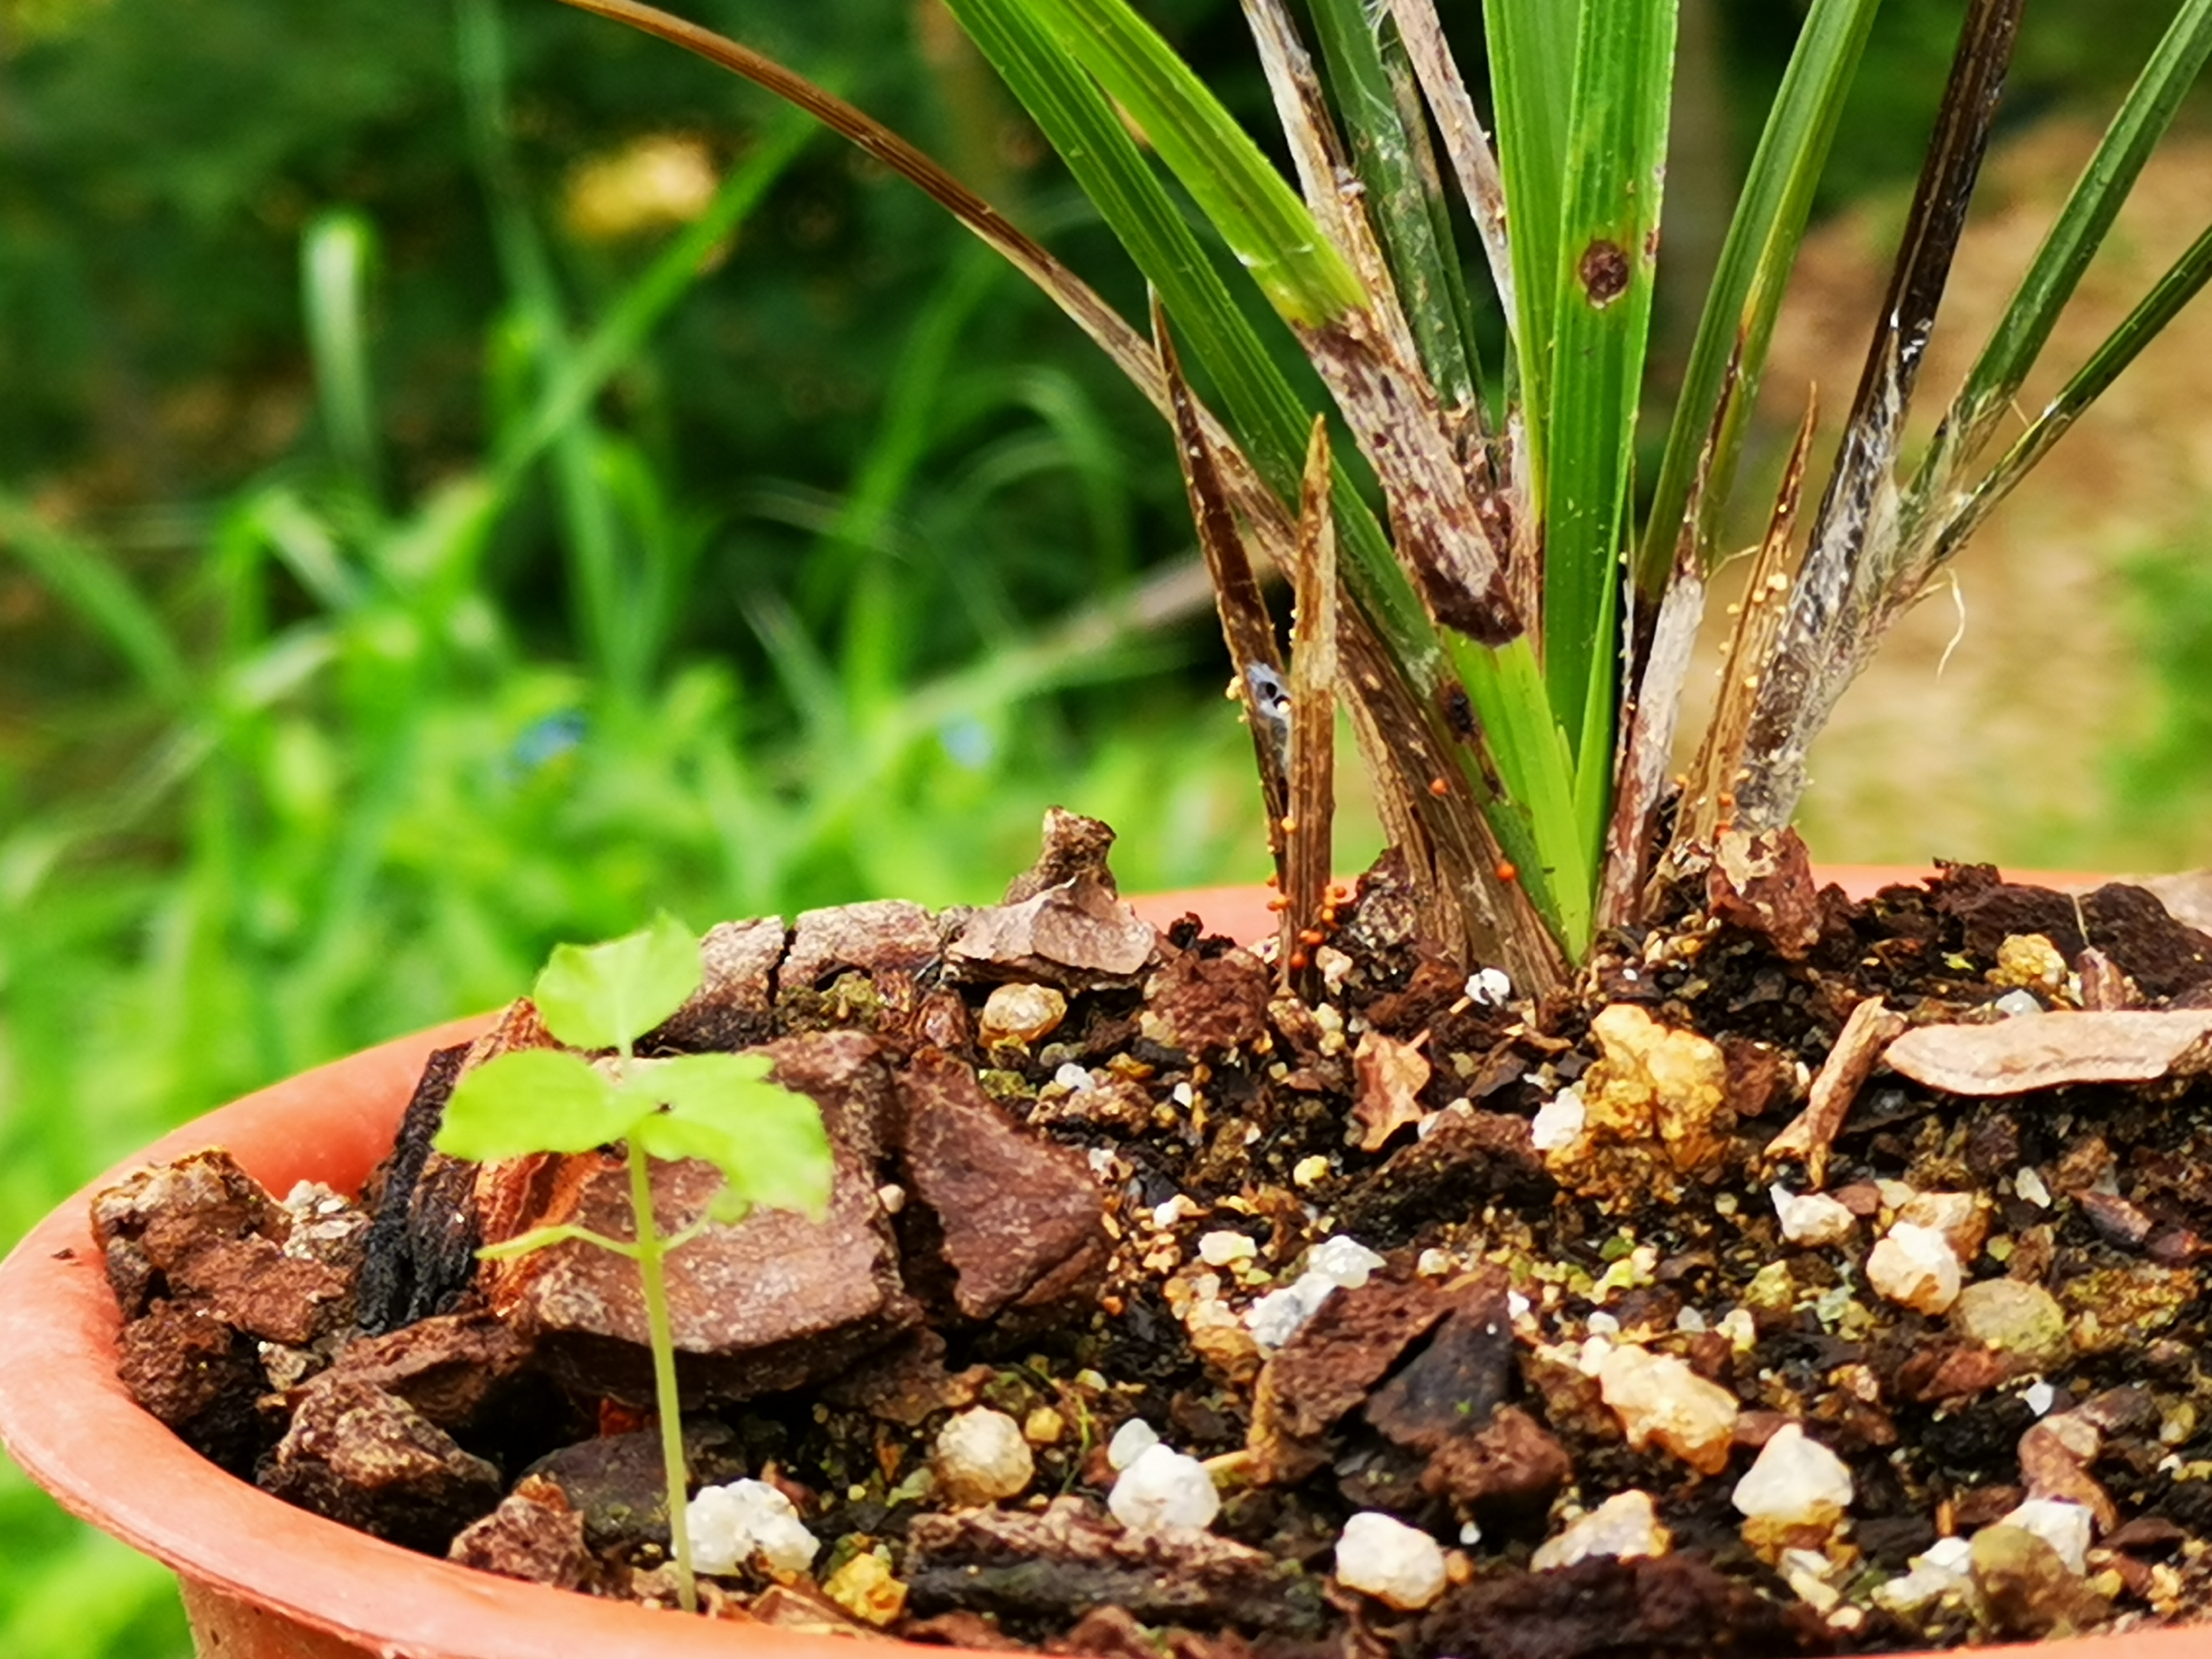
[[1452, 540], [1709, 800], [1307, 843], [1246, 627], [1853, 581]]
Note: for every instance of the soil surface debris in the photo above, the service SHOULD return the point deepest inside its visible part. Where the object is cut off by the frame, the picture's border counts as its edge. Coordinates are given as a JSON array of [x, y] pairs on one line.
[[1815, 1277]]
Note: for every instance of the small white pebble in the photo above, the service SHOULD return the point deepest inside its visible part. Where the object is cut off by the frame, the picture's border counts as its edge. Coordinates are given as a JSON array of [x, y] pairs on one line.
[[1795, 1479], [1399, 1565], [1434, 1263], [1517, 1305], [1310, 1170], [1469, 1533], [1690, 1321], [2065, 1527], [1335, 966], [1183, 1094], [1343, 1262], [1131, 1440], [730, 1524], [1020, 1014], [1917, 1267], [891, 1197], [1943, 1569], [982, 1455], [2039, 1397], [1164, 1488], [1336, 1263], [2014, 1004], [1274, 1319], [1101, 1162], [1813, 1219], [1895, 1194], [1558, 1122], [1074, 1078], [1221, 1248], [1603, 1324], [2029, 1185], [1624, 1525], [1167, 1213], [1658, 1398], [1740, 1329], [1490, 988]]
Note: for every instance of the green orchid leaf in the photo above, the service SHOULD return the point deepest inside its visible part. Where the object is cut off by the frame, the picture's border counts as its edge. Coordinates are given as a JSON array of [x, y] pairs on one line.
[[607, 996], [539, 1100], [766, 1141]]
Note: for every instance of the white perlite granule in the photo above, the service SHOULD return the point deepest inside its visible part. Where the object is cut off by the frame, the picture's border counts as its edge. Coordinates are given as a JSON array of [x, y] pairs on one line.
[[1335, 1263], [1795, 1479], [1399, 1565], [1164, 1488], [1130, 1441], [980, 1456], [728, 1524]]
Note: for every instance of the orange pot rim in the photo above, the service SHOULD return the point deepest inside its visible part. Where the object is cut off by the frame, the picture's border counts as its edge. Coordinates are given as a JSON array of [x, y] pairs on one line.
[[68, 1420]]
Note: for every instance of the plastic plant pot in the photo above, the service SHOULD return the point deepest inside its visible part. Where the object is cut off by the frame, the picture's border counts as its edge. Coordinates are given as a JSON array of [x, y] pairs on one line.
[[263, 1580]]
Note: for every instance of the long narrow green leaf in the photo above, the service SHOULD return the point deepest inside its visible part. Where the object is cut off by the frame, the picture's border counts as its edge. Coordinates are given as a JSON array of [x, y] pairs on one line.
[[1268, 416], [1729, 352], [2182, 282], [81, 575], [1601, 296], [2074, 239], [1389, 151], [1258, 214], [335, 258], [1539, 829], [622, 328], [1532, 80]]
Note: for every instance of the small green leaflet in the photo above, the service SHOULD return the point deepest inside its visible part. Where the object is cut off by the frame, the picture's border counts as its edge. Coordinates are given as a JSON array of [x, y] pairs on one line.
[[766, 1140], [540, 1100], [607, 996]]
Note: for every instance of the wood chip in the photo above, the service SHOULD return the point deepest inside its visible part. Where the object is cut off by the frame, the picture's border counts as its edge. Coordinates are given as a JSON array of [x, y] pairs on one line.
[[2047, 1051], [2104, 988], [1812, 1131], [1077, 928], [1391, 1075]]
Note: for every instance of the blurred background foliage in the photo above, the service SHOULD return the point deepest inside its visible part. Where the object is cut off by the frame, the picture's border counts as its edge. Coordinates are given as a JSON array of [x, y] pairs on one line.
[[470, 476]]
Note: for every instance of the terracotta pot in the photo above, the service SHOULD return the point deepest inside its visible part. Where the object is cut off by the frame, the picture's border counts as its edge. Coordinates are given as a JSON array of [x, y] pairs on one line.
[[262, 1580]]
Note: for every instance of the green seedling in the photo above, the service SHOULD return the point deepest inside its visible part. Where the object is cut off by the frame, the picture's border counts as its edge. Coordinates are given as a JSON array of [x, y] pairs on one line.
[[767, 1142]]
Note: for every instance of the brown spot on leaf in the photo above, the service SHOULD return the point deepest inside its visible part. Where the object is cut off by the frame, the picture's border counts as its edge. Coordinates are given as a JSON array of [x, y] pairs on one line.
[[1604, 271]]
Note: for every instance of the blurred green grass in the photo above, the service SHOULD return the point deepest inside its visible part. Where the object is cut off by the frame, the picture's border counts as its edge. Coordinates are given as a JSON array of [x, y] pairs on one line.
[[345, 744], [398, 576]]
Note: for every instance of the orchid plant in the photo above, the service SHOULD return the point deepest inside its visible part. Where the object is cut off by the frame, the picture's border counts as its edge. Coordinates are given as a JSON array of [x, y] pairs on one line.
[[1518, 616]]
